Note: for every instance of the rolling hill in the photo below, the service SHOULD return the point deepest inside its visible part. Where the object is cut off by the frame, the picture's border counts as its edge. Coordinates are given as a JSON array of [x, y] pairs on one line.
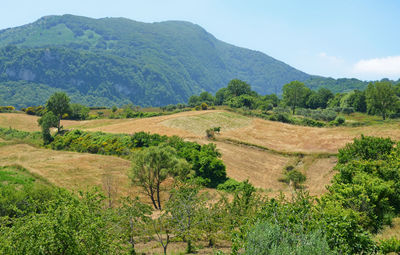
[[117, 61]]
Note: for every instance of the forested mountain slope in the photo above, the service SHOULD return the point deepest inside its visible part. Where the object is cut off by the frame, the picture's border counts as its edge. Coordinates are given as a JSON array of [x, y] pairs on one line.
[[118, 60]]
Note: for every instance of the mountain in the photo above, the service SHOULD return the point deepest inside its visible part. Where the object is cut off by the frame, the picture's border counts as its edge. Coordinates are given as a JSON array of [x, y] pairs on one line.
[[116, 60]]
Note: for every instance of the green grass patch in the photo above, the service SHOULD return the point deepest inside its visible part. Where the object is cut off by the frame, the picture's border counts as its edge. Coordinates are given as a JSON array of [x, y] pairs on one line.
[[33, 138], [15, 175]]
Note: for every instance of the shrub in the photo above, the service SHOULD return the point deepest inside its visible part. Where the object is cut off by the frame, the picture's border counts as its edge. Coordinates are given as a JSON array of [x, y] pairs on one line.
[[389, 245], [204, 106], [7, 108], [347, 110], [340, 120], [294, 177], [34, 110], [273, 239], [231, 185], [366, 148], [210, 133]]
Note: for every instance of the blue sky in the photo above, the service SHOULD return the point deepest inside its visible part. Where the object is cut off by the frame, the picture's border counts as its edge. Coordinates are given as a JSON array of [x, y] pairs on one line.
[[342, 38]]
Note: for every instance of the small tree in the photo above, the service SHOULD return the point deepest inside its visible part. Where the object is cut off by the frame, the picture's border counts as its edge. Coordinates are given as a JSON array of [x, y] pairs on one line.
[[58, 103], [46, 122], [210, 133], [114, 109], [134, 216], [294, 94], [204, 106], [185, 207]]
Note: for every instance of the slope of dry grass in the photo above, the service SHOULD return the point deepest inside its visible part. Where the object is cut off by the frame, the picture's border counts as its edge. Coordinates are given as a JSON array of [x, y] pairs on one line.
[[71, 170], [197, 124], [262, 168]]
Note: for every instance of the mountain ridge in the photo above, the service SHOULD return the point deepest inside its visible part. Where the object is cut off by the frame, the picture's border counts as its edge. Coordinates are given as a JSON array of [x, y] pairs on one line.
[[158, 63]]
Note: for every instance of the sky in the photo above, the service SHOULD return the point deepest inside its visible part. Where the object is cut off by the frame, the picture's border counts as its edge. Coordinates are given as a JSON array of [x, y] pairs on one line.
[[332, 38]]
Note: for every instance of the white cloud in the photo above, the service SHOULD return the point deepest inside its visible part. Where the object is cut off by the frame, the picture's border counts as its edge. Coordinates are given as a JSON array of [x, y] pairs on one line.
[[388, 67], [332, 59]]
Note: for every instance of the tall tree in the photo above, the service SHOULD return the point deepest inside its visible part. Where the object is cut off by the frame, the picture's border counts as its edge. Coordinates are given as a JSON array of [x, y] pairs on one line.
[[58, 103], [294, 94], [381, 98], [151, 166]]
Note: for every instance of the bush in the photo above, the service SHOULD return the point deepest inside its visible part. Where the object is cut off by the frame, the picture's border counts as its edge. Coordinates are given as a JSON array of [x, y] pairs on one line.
[[210, 133], [273, 239], [366, 148], [390, 245], [340, 120], [204, 106], [34, 110], [231, 185], [311, 123], [295, 177], [7, 108]]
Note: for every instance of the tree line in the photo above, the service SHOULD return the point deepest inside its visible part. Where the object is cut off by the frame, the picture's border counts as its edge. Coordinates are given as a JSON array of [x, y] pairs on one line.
[[380, 97]]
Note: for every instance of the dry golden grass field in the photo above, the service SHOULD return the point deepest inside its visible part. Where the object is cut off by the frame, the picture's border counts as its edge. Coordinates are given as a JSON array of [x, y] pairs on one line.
[[71, 170], [261, 167]]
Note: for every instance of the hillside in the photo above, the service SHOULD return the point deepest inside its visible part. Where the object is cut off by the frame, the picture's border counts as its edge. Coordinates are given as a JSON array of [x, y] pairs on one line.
[[116, 60]]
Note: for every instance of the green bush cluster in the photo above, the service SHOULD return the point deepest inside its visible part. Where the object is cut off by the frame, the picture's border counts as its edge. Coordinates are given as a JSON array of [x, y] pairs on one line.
[[34, 110], [319, 114], [29, 137], [231, 185], [7, 108]]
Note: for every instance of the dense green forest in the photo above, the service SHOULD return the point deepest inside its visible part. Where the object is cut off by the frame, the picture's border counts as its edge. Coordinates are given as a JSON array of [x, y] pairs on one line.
[[103, 62]]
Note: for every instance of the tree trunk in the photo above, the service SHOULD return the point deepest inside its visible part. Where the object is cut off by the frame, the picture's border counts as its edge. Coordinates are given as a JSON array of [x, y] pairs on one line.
[[59, 124], [189, 248], [158, 196], [152, 199]]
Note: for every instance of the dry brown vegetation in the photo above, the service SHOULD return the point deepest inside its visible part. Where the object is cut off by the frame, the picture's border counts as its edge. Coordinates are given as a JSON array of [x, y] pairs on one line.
[[261, 167]]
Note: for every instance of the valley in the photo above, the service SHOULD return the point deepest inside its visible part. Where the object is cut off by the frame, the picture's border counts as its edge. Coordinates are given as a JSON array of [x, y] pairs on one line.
[[277, 145]]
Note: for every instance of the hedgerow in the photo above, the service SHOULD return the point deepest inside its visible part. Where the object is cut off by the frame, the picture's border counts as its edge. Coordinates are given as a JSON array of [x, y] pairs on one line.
[[205, 159]]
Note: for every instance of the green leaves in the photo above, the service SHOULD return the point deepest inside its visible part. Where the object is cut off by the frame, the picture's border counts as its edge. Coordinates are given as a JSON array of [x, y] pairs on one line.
[[381, 98]]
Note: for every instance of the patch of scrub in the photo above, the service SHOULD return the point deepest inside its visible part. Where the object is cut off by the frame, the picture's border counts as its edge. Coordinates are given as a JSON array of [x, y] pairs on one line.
[[199, 123]]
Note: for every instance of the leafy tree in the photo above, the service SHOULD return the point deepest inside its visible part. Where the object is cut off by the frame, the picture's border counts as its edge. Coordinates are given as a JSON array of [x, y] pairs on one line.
[[381, 98], [78, 112], [294, 94], [151, 166], [194, 101], [243, 101], [221, 96], [66, 225], [366, 148], [237, 87], [58, 103], [47, 121], [357, 100], [207, 98], [319, 99], [134, 216], [185, 206]]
